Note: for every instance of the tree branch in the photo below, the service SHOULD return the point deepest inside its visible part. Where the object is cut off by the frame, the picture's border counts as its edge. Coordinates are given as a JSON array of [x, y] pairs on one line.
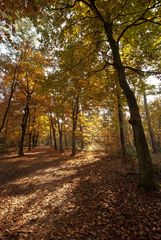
[[142, 20], [142, 72]]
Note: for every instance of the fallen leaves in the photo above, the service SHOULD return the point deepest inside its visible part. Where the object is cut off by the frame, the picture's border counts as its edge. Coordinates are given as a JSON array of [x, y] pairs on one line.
[[54, 196]]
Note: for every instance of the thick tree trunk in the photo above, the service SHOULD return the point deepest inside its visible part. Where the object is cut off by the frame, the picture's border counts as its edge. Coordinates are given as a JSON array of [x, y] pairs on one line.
[[145, 163], [121, 128], [23, 127], [151, 133]]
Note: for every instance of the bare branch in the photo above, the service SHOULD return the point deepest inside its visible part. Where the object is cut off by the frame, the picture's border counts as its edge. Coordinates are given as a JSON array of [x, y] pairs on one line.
[[142, 72]]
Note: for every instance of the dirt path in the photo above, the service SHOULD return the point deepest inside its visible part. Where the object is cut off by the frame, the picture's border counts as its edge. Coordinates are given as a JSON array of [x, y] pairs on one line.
[[47, 195]]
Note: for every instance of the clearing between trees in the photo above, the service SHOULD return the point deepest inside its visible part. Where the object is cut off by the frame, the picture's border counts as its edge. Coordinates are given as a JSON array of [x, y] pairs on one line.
[[49, 195]]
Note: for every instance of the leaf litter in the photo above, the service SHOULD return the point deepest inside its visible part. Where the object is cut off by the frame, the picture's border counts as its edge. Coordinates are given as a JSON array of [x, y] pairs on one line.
[[47, 195]]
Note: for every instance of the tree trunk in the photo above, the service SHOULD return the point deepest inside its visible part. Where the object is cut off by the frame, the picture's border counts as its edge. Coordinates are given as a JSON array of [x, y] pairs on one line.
[[13, 87], [29, 132], [147, 180], [151, 133], [54, 134], [65, 139], [33, 136], [82, 140], [159, 133], [37, 139], [51, 138], [75, 112], [29, 142], [33, 139], [121, 128], [73, 141], [60, 128], [23, 127]]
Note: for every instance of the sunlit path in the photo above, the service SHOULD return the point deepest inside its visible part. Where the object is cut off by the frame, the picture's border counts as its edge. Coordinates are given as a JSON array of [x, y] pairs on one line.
[[54, 196]]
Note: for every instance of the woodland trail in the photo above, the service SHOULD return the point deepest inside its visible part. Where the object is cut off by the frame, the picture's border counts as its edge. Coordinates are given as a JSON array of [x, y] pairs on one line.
[[47, 195]]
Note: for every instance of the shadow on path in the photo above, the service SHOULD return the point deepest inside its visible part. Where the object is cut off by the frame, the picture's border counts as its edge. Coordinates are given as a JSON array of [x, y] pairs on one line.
[[58, 197]]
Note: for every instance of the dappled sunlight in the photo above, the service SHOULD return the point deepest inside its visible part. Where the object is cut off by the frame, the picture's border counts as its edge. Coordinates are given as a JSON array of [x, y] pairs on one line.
[[56, 196], [30, 198], [80, 120]]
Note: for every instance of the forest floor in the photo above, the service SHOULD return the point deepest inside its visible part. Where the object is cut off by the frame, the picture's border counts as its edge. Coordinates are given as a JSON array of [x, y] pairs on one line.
[[46, 195]]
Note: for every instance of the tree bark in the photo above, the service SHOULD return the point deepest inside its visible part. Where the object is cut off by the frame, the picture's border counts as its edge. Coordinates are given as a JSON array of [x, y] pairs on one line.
[[82, 140], [151, 133], [33, 139], [29, 132], [121, 128], [60, 129], [51, 138], [29, 141], [75, 112], [65, 139], [13, 87], [36, 139], [23, 127], [54, 133]]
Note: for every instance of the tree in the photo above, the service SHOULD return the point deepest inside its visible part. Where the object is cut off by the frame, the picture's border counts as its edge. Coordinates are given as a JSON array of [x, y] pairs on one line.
[[151, 133], [107, 17], [110, 23]]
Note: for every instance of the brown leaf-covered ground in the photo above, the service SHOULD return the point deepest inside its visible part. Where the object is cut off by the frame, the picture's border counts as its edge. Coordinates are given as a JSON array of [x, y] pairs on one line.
[[47, 195]]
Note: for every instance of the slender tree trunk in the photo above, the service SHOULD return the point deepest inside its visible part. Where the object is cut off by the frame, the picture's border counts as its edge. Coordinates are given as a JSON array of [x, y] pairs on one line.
[[33, 136], [13, 87], [33, 139], [36, 139], [29, 132], [60, 128], [51, 140], [29, 141], [54, 134], [82, 140], [151, 133], [159, 133], [74, 120], [61, 141], [73, 141], [65, 139], [121, 127], [23, 127], [147, 180]]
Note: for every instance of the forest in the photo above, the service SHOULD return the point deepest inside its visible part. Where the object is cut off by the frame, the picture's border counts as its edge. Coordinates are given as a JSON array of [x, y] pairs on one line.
[[80, 119]]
